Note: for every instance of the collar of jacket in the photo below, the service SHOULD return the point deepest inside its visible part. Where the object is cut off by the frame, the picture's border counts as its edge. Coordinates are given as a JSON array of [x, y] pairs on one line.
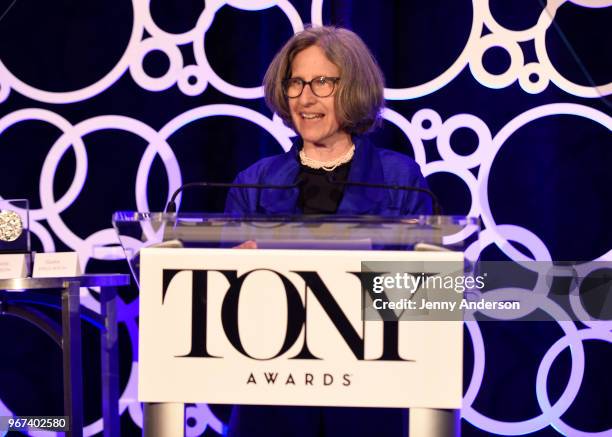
[[366, 167]]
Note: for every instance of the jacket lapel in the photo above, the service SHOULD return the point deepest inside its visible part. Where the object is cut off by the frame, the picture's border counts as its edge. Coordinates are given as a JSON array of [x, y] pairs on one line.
[[366, 167], [283, 171]]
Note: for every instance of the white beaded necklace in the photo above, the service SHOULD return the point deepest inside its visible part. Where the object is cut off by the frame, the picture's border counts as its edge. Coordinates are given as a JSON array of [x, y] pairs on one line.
[[330, 165]]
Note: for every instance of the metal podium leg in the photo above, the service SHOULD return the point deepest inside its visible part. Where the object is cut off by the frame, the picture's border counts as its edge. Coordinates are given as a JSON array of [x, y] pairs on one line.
[[427, 422], [109, 353], [164, 420], [72, 363]]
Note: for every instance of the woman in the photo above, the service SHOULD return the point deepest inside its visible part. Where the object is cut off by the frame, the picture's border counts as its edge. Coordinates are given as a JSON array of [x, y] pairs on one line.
[[325, 84]]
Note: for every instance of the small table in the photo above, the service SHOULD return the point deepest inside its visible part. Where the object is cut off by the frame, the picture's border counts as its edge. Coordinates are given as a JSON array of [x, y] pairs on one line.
[[16, 297]]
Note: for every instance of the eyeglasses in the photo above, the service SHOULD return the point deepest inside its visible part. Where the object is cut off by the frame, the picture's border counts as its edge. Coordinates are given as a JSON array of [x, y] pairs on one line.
[[320, 86]]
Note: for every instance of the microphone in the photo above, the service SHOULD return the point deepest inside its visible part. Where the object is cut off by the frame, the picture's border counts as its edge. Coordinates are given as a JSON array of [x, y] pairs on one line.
[[171, 206], [437, 209]]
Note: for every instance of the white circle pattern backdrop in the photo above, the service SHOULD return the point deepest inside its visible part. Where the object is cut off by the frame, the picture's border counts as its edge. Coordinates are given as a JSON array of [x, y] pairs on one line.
[[193, 80]]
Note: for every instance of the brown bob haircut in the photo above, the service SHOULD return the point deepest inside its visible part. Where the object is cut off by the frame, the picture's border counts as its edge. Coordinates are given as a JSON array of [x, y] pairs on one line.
[[359, 93]]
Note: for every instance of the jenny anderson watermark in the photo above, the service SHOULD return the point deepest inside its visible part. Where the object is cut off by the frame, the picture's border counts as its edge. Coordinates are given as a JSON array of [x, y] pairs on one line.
[[462, 304]]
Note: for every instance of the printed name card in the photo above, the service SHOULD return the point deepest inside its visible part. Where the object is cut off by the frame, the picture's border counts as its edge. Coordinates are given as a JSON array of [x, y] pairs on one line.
[[13, 266], [55, 265]]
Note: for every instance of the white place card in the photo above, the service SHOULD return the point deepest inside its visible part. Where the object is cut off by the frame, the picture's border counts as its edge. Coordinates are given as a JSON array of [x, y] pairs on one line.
[[13, 266], [56, 264]]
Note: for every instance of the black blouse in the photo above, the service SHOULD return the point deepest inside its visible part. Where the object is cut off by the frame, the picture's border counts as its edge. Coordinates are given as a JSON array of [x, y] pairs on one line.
[[317, 194]]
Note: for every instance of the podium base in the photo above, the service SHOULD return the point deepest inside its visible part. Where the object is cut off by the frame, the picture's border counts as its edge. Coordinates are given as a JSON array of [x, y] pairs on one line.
[[163, 420], [427, 422]]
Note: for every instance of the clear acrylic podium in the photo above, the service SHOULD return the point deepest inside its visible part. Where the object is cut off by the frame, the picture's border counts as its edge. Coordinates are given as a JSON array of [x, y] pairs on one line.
[[140, 230]]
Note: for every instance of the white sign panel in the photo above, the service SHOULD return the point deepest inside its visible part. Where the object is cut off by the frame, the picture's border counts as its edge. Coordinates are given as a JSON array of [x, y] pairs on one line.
[[284, 327]]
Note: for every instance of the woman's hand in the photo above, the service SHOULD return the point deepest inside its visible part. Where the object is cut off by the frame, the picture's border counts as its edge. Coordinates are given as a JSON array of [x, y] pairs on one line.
[[250, 244]]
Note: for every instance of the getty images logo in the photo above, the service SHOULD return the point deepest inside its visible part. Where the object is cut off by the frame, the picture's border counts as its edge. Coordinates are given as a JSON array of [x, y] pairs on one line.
[[296, 309]]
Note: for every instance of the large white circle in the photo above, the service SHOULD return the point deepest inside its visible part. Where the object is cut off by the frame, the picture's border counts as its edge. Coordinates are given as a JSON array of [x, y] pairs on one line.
[[89, 91], [501, 137], [85, 127], [556, 77], [71, 138]]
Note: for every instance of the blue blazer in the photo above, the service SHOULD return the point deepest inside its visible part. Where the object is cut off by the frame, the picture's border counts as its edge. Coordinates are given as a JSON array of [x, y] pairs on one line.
[[370, 164]]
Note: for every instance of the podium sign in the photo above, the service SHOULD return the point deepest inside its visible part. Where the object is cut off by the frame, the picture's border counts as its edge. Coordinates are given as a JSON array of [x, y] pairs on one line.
[[285, 327]]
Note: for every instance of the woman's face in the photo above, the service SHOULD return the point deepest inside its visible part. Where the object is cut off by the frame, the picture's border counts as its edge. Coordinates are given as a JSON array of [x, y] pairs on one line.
[[315, 117]]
